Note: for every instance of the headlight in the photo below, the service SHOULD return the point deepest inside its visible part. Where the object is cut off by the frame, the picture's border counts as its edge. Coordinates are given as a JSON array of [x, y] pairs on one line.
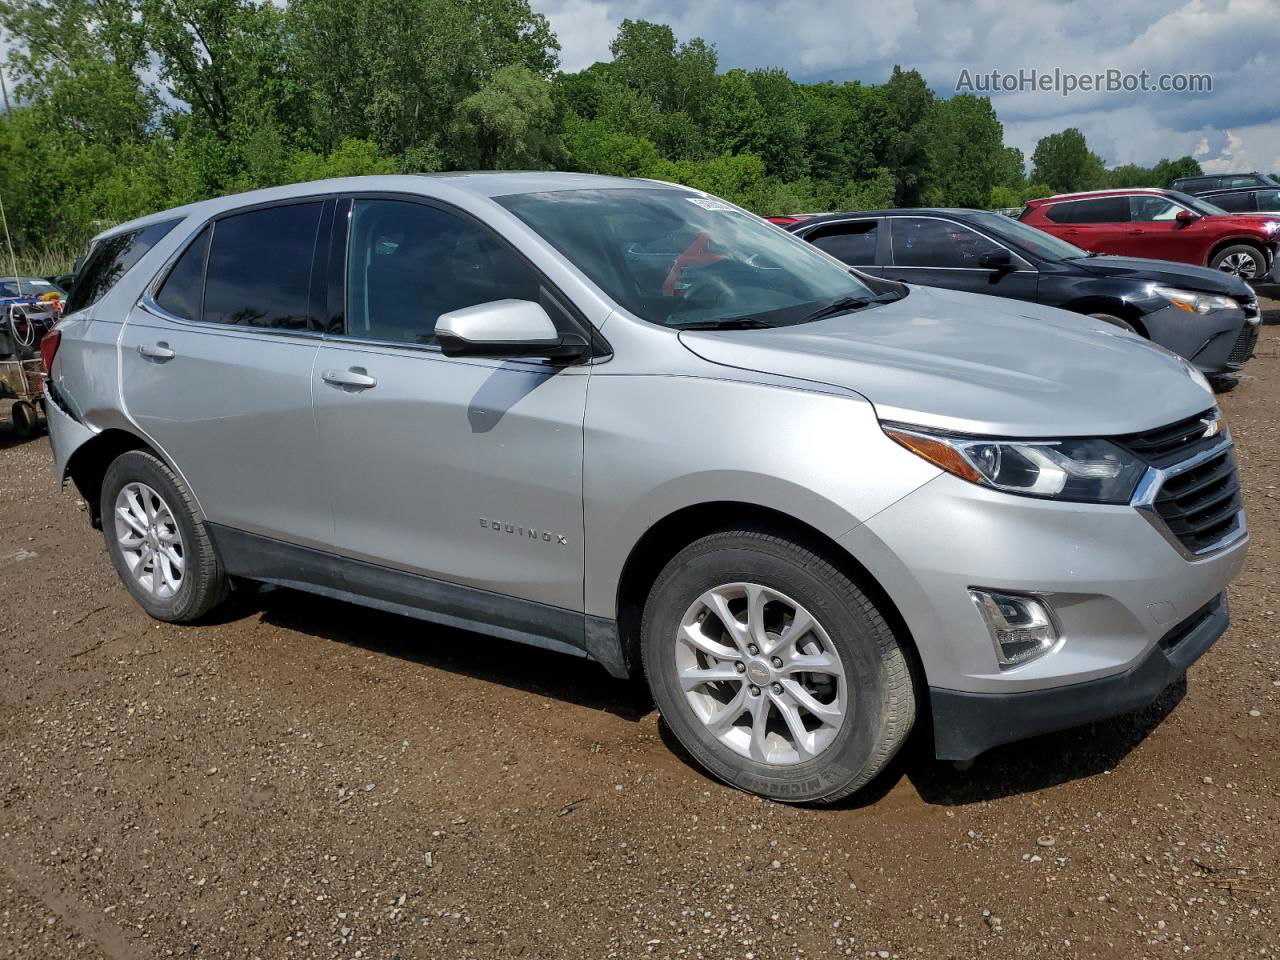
[[1089, 471], [1271, 226], [1191, 301]]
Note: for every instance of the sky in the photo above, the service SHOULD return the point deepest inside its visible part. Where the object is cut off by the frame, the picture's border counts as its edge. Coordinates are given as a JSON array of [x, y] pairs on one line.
[[1235, 42]]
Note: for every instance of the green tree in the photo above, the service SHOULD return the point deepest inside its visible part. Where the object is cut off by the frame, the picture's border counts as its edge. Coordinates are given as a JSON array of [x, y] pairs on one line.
[[964, 146], [1064, 161], [507, 123]]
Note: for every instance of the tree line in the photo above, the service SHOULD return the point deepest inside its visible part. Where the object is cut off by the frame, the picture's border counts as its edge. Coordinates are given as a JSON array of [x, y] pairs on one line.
[[124, 107]]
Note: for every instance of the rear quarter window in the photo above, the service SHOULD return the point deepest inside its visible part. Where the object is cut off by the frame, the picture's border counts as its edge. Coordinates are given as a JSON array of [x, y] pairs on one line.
[[111, 259], [1101, 210]]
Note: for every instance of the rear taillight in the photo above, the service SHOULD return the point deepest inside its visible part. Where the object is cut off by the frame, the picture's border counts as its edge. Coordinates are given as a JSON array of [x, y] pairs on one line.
[[49, 349]]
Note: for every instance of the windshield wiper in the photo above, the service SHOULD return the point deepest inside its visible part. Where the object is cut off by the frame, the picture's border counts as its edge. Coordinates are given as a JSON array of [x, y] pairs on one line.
[[728, 323], [840, 305]]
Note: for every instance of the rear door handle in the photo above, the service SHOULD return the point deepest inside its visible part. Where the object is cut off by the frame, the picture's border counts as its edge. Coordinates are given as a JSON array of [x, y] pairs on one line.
[[354, 377], [156, 351]]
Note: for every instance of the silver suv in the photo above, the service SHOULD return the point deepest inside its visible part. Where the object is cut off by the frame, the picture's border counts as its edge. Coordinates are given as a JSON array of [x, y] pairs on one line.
[[628, 421]]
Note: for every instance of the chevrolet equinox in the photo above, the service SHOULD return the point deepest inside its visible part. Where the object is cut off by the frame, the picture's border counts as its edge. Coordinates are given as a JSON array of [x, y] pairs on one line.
[[628, 421]]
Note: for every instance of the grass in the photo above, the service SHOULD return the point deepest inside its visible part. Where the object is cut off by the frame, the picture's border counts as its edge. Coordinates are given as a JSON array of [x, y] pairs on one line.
[[46, 262]]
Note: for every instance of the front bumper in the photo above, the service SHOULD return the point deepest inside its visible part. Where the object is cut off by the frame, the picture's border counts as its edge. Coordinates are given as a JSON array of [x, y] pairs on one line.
[[1216, 343], [967, 724], [1116, 583]]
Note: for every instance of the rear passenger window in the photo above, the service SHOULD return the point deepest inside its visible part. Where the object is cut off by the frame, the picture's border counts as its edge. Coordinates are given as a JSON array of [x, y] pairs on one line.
[[1101, 210], [111, 260], [1268, 200], [183, 289], [410, 262], [853, 243], [259, 272]]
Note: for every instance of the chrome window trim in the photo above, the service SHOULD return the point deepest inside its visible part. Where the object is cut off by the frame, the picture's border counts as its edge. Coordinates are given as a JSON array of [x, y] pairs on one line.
[[893, 251], [1144, 501]]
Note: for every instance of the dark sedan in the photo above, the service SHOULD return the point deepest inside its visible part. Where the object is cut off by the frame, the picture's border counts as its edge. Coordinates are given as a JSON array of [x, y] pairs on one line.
[[1207, 316]]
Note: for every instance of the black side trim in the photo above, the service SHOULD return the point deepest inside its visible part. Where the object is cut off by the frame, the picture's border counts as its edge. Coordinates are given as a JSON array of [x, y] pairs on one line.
[[469, 608], [967, 724]]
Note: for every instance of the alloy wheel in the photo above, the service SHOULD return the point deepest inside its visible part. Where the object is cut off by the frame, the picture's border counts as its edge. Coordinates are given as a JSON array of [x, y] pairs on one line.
[[149, 540], [1243, 265], [761, 674]]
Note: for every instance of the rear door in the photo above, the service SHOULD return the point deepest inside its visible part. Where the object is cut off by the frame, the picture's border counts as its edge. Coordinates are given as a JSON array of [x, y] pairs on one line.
[[859, 243], [943, 253], [466, 470], [1099, 224], [216, 369]]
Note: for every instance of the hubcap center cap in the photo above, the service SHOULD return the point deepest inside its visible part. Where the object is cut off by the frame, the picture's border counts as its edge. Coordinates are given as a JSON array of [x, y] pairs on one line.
[[759, 673]]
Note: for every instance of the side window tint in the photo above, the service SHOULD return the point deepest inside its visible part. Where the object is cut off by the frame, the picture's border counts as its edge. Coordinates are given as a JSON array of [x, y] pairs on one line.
[[1231, 202], [1245, 181], [1153, 209], [1062, 213], [110, 260], [854, 243], [183, 289], [1268, 200], [918, 242], [1102, 210], [409, 263], [259, 272]]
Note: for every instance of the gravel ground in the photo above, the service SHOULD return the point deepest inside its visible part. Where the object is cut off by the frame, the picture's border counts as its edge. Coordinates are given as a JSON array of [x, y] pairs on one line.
[[305, 779]]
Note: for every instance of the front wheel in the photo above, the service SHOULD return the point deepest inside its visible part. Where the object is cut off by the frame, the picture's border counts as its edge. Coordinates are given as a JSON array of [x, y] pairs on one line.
[[773, 669], [1246, 262], [158, 541]]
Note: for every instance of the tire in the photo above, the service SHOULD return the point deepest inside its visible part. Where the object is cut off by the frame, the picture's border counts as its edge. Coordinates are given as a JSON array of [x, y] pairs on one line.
[[1237, 258], [172, 591], [872, 692], [1115, 321], [25, 421]]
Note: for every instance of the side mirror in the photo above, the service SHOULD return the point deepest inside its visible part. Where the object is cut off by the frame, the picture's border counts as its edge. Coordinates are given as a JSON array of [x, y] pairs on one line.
[[996, 260], [1186, 217], [506, 328]]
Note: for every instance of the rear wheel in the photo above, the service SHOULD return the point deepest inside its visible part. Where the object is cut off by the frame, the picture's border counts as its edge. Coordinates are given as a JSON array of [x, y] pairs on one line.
[[157, 540], [25, 421], [773, 669], [1246, 262]]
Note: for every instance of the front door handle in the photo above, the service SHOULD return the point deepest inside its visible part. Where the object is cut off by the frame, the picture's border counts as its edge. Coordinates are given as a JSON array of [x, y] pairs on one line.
[[354, 377], [156, 351]]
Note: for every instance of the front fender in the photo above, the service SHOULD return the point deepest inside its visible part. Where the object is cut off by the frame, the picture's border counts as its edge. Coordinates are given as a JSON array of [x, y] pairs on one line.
[[658, 445]]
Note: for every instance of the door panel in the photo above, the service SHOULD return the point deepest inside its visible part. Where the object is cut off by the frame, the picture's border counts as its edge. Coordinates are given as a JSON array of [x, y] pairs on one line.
[[230, 401], [467, 471], [1156, 232]]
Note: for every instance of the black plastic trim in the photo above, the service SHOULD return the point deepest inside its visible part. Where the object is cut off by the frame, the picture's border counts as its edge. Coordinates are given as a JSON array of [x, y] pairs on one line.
[[967, 724], [273, 561]]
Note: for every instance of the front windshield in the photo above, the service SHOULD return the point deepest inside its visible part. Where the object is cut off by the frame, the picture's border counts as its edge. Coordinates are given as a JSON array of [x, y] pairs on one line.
[[678, 258], [1043, 245], [1198, 204]]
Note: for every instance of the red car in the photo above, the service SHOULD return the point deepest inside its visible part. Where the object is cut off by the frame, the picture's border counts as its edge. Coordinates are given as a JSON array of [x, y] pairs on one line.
[[1163, 225]]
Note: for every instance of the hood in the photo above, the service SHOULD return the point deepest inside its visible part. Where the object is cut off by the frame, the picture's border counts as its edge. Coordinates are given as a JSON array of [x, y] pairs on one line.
[[976, 364], [1182, 275], [1251, 222]]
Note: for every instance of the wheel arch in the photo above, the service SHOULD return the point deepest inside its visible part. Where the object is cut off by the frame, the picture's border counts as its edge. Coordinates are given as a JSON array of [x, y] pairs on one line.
[[1244, 241], [1112, 305], [87, 465], [675, 531]]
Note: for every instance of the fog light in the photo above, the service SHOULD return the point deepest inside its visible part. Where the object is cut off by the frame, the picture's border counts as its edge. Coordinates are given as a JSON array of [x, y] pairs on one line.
[[1022, 628]]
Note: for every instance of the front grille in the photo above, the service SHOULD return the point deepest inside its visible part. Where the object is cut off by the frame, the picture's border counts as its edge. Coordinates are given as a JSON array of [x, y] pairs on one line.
[[1167, 445], [1201, 506], [1244, 345]]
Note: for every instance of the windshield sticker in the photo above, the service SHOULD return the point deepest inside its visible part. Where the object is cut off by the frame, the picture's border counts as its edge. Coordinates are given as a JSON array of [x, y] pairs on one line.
[[706, 203]]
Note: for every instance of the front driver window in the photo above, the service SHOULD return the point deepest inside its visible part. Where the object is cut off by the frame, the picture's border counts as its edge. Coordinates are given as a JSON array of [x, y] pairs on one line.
[[921, 242], [409, 263], [1154, 209]]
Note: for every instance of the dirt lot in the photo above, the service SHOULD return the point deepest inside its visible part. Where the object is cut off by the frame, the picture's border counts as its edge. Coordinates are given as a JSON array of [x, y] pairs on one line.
[[304, 779]]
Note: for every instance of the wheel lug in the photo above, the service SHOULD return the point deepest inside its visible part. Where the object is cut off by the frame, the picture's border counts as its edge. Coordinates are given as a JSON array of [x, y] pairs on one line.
[[776, 688], [753, 690], [752, 649], [777, 662], [740, 667]]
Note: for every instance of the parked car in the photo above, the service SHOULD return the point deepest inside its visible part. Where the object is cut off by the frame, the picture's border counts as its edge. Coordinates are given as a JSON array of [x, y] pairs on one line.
[[1161, 224], [1204, 183], [29, 307], [986, 252], [1251, 200], [629, 421]]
